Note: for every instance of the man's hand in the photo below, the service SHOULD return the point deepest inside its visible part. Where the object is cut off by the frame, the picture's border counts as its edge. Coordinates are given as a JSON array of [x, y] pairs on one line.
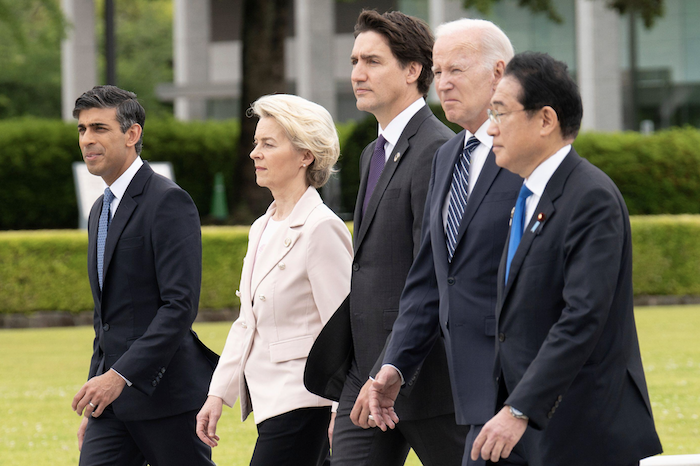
[[498, 437], [81, 433], [360, 411], [382, 395], [98, 393], [331, 425], [207, 419]]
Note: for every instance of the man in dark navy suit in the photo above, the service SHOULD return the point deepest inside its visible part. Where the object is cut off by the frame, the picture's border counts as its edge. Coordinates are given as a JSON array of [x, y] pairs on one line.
[[450, 293], [571, 387], [149, 373]]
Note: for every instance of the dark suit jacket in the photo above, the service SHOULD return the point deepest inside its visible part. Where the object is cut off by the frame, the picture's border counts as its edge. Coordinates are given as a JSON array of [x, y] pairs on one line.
[[143, 316], [567, 347], [387, 240], [457, 299]]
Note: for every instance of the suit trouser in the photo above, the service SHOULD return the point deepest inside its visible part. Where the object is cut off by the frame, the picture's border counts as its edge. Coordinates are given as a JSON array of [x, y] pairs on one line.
[[169, 441], [438, 441], [296, 438]]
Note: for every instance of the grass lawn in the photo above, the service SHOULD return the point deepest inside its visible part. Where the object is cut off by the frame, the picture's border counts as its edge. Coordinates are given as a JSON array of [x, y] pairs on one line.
[[41, 369]]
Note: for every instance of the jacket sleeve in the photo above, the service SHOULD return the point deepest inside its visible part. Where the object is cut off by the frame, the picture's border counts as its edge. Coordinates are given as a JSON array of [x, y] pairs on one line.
[[416, 328], [593, 245], [177, 249], [329, 262]]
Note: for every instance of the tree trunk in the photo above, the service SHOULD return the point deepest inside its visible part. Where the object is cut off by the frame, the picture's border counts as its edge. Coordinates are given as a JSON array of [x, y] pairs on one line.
[[264, 31]]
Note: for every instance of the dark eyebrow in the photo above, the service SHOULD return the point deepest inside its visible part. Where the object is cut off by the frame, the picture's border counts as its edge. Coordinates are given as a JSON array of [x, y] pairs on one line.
[[365, 56], [93, 125], [497, 102]]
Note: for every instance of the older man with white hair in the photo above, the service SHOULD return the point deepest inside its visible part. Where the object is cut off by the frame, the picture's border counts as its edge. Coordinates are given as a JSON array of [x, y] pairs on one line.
[[450, 291]]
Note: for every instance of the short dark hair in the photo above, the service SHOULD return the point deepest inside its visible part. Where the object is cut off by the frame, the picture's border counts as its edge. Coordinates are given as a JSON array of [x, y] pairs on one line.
[[546, 82], [129, 110], [409, 38]]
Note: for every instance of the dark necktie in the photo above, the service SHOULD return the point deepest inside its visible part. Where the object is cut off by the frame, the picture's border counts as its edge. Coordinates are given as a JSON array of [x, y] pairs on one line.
[[517, 226], [102, 233], [458, 196], [376, 167]]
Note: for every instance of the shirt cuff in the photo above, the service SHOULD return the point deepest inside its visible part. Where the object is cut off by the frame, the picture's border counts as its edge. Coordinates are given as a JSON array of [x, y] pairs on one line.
[[403, 381], [128, 384]]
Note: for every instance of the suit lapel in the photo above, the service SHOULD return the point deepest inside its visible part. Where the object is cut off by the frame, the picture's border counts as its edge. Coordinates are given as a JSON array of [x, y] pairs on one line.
[[127, 206], [441, 189], [483, 183], [397, 154], [92, 252], [538, 222], [364, 174], [284, 239]]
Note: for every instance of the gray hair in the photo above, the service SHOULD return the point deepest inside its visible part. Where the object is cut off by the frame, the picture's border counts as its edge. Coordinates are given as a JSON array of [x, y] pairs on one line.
[[309, 126], [495, 44]]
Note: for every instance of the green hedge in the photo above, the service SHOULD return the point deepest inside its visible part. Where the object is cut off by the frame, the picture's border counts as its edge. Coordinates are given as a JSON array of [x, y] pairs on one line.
[[47, 270], [657, 174], [36, 178]]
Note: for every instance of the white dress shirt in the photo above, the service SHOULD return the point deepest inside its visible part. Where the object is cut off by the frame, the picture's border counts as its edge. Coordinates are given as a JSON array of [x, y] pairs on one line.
[[393, 130], [118, 188], [538, 179]]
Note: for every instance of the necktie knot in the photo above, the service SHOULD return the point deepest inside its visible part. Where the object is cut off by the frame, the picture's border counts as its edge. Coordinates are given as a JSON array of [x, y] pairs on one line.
[[109, 196], [524, 192], [472, 143]]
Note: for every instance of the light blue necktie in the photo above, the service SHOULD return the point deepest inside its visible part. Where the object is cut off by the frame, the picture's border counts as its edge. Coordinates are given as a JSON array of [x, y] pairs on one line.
[[102, 233], [516, 227], [458, 196]]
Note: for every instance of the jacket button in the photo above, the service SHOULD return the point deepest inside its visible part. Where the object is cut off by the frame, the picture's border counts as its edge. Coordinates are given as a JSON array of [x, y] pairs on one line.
[[105, 327], [281, 266], [154, 383], [262, 297], [549, 415], [244, 325], [450, 280], [501, 337], [162, 370], [356, 266], [238, 293], [287, 242]]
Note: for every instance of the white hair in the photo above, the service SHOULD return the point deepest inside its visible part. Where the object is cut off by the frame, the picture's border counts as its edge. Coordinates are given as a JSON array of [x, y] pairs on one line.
[[309, 126], [495, 45]]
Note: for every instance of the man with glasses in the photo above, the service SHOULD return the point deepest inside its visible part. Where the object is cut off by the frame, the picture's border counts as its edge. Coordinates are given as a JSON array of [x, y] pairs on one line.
[[450, 291], [570, 378]]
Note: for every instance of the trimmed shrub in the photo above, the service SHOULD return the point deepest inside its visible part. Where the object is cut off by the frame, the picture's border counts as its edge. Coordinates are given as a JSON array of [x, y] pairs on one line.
[[666, 255], [47, 270], [36, 178], [657, 174]]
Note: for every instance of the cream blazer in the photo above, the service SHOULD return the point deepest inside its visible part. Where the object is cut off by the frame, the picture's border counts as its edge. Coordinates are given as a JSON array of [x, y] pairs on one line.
[[295, 285]]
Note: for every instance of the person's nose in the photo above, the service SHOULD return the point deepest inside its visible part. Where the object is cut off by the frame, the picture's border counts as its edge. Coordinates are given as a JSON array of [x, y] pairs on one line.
[[358, 74], [493, 129]]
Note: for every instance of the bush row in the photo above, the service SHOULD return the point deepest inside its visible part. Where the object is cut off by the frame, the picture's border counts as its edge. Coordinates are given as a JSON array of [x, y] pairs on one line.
[[47, 270], [657, 174], [36, 178]]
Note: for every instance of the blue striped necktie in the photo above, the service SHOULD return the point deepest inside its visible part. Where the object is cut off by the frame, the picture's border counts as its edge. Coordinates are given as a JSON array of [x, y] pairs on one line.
[[517, 226], [458, 195], [102, 233]]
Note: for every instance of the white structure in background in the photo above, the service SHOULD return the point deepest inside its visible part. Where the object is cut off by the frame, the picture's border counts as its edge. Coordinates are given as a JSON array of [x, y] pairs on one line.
[[78, 53], [593, 41]]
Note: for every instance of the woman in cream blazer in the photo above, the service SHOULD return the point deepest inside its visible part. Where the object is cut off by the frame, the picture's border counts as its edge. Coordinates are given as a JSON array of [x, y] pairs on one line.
[[295, 275]]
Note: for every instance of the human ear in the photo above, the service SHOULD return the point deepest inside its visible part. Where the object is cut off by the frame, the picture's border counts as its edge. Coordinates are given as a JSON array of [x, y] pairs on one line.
[[133, 134], [549, 121], [413, 71]]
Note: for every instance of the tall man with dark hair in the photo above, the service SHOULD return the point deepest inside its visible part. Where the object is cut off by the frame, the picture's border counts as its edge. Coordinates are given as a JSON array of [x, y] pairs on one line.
[[149, 373], [568, 366], [450, 293], [392, 73]]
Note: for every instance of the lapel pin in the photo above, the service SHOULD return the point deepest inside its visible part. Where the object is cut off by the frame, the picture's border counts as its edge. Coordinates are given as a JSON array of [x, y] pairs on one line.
[[397, 156], [540, 216], [534, 227], [287, 242]]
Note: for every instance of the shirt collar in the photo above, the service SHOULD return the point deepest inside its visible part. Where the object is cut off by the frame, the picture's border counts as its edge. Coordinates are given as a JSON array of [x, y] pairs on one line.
[[393, 130], [118, 188], [540, 176], [481, 134]]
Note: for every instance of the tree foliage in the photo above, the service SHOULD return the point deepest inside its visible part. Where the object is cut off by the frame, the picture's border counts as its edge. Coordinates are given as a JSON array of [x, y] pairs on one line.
[[649, 10]]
